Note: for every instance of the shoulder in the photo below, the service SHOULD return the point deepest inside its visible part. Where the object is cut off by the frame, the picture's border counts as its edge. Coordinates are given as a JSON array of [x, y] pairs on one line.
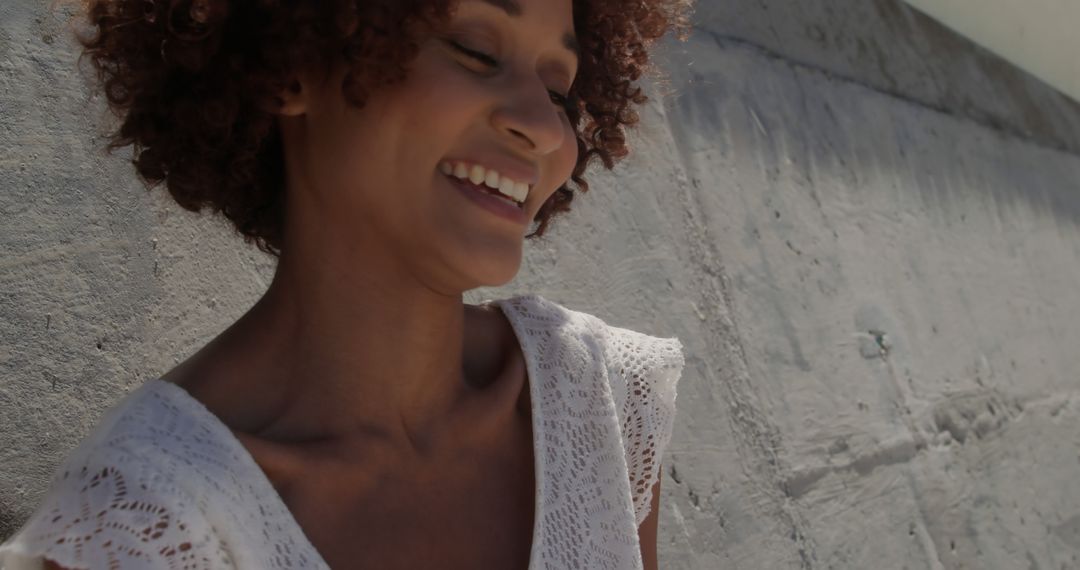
[[642, 371], [113, 502], [539, 310], [638, 359]]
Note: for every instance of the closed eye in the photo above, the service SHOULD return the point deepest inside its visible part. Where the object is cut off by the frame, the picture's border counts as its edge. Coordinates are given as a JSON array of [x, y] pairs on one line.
[[478, 56], [485, 59]]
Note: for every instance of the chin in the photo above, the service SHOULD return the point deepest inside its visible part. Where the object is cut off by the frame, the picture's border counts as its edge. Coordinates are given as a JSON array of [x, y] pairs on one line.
[[493, 270], [499, 276]]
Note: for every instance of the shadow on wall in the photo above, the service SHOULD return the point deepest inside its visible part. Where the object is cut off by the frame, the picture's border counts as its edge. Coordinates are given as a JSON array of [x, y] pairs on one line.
[[835, 121], [888, 46], [10, 521]]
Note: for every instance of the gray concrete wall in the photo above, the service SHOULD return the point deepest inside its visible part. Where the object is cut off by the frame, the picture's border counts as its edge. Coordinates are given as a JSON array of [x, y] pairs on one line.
[[865, 229]]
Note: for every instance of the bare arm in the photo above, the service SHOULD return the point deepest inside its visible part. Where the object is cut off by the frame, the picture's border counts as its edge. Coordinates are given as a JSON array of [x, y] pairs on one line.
[[647, 530]]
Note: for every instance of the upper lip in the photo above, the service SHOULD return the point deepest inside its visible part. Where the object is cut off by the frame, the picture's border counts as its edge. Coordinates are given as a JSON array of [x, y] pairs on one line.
[[513, 168]]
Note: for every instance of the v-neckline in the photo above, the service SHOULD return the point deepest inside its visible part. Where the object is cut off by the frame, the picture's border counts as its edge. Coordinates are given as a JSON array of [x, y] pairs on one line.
[[267, 489]]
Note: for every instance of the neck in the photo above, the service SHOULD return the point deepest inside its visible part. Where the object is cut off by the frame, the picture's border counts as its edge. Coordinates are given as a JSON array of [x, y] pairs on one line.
[[333, 351], [346, 343]]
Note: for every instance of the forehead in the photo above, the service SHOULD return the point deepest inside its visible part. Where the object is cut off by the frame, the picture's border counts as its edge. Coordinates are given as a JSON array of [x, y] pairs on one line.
[[511, 7], [518, 9]]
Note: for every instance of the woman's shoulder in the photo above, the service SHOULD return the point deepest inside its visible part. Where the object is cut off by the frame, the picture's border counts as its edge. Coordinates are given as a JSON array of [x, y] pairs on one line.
[[641, 371], [537, 307], [122, 497], [136, 421], [152, 432], [623, 345], [156, 423]]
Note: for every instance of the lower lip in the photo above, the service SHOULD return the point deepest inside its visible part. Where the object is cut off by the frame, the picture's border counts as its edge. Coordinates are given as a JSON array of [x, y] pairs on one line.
[[489, 202]]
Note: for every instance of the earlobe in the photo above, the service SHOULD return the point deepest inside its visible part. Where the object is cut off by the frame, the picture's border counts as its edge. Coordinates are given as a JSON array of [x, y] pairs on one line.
[[291, 101]]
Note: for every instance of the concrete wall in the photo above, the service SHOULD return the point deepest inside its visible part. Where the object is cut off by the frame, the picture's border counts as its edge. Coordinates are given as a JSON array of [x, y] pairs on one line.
[[1037, 35], [865, 229]]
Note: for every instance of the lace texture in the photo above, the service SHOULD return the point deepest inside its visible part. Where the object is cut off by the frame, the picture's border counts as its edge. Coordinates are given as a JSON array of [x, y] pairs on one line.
[[115, 510], [643, 371], [605, 397], [162, 483]]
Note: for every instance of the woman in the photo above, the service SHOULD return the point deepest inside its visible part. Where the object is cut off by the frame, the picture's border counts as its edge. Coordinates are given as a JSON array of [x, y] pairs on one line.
[[360, 415]]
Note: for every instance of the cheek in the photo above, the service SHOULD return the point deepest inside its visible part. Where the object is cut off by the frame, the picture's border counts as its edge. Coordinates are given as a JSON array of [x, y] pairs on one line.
[[568, 154], [435, 92], [561, 165], [350, 149], [433, 113]]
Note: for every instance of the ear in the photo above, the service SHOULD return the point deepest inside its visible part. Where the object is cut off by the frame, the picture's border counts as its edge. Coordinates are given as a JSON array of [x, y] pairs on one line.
[[291, 101]]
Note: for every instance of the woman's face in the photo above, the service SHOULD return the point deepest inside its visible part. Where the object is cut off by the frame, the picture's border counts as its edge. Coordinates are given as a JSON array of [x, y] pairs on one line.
[[375, 176]]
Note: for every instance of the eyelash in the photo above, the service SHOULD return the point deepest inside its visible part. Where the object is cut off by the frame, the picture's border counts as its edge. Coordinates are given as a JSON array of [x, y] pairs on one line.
[[562, 100]]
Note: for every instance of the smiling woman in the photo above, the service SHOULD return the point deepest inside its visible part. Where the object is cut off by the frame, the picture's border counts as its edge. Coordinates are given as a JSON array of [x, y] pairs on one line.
[[391, 154], [197, 82]]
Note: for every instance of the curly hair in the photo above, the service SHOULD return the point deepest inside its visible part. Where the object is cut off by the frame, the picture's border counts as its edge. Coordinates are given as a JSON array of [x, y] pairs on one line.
[[194, 84]]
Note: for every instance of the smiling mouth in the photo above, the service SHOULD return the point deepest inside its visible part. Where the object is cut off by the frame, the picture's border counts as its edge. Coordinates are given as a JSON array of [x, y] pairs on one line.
[[487, 180], [490, 201], [486, 190]]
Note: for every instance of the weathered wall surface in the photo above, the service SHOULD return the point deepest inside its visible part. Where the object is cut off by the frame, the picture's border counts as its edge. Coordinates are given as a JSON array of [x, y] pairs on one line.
[[865, 230]]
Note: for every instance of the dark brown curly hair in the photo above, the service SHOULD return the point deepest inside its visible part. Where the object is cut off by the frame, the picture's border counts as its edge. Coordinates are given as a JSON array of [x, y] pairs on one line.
[[195, 82]]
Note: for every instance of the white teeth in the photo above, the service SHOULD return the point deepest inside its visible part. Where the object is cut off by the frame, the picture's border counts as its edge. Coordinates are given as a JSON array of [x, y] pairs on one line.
[[477, 174], [507, 187]]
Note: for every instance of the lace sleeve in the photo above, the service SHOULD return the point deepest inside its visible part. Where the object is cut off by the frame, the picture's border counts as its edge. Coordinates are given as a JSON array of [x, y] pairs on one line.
[[111, 509], [645, 371]]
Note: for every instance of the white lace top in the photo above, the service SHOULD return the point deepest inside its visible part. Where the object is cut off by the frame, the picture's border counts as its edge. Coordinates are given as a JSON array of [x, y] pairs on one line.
[[161, 483]]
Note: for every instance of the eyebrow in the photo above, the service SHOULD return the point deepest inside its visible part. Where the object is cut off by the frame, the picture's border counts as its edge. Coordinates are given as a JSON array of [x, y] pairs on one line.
[[513, 9]]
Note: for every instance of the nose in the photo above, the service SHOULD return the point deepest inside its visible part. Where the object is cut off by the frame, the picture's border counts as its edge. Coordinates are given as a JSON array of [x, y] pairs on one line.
[[531, 118]]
